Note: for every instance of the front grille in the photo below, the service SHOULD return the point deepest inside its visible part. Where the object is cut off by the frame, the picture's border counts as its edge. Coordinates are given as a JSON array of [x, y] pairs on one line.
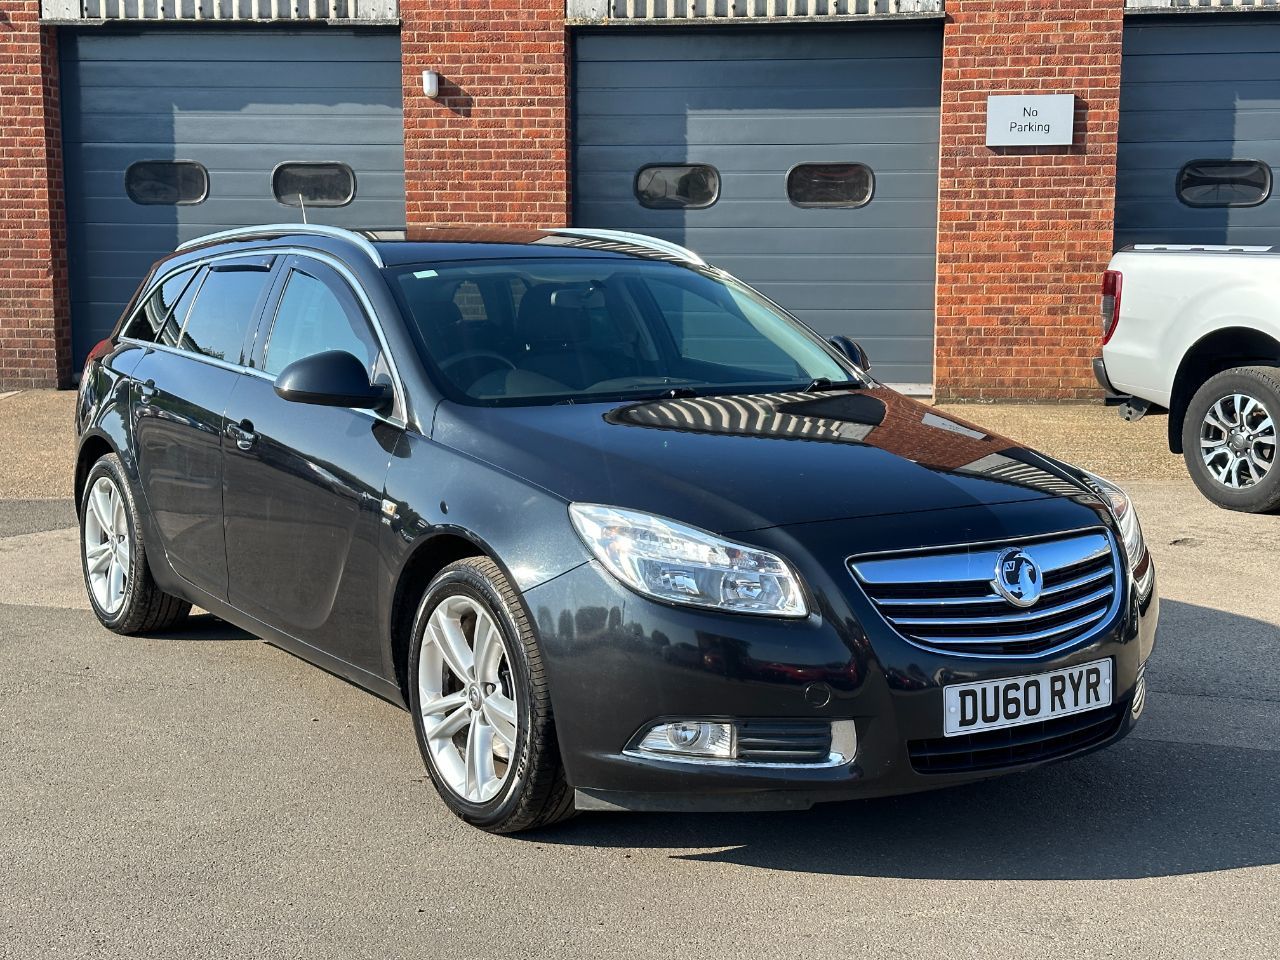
[[784, 741], [1034, 742], [945, 600]]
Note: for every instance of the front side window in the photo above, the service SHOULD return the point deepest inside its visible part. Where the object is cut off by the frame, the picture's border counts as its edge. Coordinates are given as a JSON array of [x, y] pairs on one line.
[[166, 182], [225, 306], [830, 185], [307, 184], [591, 329], [689, 186], [315, 317], [160, 318], [1224, 183]]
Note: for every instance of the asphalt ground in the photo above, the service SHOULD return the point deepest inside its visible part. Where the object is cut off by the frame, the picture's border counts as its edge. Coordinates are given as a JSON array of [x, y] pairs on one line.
[[205, 794]]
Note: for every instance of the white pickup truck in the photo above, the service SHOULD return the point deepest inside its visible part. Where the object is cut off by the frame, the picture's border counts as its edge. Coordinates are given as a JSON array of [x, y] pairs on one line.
[[1196, 330]]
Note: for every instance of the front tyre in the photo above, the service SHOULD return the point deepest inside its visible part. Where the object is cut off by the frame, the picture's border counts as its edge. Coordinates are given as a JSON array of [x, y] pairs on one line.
[[480, 706], [1229, 439], [114, 559]]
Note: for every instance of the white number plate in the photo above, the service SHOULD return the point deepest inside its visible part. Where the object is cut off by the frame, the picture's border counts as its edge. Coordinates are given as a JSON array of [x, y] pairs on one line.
[[995, 704]]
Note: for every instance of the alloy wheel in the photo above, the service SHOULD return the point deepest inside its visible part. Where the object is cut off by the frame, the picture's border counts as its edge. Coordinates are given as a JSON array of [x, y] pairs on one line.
[[467, 698], [1238, 441], [107, 547]]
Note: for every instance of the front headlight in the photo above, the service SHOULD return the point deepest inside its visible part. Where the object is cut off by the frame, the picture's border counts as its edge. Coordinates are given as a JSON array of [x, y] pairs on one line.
[[1130, 529], [680, 564]]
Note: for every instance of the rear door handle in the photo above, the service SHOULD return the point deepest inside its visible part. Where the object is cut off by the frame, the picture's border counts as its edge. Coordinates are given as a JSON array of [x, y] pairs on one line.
[[242, 433], [147, 391]]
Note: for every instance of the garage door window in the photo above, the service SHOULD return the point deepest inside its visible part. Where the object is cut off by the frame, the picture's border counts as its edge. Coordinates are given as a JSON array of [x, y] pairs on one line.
[[171, 182], [690, 186], [830, 185], [314, 184], [1224, 183]]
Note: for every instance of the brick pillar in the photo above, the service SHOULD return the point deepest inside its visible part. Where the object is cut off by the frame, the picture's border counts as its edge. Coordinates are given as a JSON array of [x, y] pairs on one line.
[[35, 330], [1024, 233], [493, 147]]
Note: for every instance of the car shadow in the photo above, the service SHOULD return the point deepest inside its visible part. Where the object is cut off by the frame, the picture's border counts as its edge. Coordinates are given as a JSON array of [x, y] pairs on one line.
[[203, 627], [1141, 808]]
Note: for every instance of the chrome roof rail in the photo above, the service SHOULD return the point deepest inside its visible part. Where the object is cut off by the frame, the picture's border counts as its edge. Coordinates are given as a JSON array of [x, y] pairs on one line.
[[635, 239], [269, 230]]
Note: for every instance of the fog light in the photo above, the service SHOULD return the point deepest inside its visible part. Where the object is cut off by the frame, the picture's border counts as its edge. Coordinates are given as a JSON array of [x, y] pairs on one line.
[[691, 738]]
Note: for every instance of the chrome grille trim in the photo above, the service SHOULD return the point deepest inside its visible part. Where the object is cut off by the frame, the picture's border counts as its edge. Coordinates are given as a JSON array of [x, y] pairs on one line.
[[1106, 571], [943, 599], [1023, 637], [1022, 616], [977, 561]]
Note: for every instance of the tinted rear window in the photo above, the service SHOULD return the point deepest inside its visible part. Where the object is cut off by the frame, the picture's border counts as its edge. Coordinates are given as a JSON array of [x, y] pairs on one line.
[[162, 314], [226, 305]]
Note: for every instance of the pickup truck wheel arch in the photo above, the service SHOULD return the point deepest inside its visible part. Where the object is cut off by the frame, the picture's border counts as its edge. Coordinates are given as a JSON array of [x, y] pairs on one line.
[[1211, 355]]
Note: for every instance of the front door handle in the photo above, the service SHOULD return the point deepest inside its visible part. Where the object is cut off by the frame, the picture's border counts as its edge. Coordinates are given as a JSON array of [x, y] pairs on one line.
[[242, 433], [147, 391]]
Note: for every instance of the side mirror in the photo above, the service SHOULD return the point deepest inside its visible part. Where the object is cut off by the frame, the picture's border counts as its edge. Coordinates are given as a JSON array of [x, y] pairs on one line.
[[331, 379], [852, 350]]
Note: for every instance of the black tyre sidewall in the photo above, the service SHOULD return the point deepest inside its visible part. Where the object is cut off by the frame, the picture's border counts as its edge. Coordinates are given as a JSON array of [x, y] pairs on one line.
[[1261, 496], [461, 579], [109, 466]]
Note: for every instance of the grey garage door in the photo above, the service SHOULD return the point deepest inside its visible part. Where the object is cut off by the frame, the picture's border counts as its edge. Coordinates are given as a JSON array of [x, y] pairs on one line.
[[1198, 90], [237, 103], [753, 104]]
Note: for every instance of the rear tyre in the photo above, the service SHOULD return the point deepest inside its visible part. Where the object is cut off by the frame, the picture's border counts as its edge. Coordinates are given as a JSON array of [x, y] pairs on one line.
[[1229, 439], [113, 557], [480, 705]]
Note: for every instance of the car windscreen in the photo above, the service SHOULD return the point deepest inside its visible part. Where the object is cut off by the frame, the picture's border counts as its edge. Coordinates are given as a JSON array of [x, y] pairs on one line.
[[546, 330]]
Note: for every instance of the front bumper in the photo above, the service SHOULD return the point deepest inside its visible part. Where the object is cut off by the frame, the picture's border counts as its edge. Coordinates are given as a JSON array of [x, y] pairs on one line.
[[619, 662]]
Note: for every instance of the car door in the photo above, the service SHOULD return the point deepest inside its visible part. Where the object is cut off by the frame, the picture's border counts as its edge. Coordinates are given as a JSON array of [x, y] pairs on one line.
[[196, 324], [304, 482]]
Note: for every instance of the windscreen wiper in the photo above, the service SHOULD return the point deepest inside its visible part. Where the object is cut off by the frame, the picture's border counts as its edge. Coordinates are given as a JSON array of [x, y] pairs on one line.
[[674, 393], [826, 383]]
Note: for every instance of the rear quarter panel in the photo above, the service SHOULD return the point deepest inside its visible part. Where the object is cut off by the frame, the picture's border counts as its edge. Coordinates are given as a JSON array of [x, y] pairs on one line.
[[102, 411]]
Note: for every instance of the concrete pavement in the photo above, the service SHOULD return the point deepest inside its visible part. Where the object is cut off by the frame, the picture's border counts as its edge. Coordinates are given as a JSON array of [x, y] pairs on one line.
[[205, 794]]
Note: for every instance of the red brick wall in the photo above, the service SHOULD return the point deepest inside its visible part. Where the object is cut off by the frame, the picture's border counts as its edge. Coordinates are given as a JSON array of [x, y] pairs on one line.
[[1024, 233], [493, 148], [35, 335]]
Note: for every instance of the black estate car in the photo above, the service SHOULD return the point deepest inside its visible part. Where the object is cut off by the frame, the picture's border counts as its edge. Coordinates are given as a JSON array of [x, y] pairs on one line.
[[618, 531]]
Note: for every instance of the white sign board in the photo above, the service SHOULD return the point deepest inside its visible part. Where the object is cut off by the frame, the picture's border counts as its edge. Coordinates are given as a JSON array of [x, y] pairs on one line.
[[1030, 121]]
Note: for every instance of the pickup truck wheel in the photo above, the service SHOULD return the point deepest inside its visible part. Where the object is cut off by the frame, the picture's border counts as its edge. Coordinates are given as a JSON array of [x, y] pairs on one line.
[[1229, 439]]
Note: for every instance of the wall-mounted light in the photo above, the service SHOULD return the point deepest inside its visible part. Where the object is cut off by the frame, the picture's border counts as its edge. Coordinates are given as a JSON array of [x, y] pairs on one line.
[[431, 83]]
